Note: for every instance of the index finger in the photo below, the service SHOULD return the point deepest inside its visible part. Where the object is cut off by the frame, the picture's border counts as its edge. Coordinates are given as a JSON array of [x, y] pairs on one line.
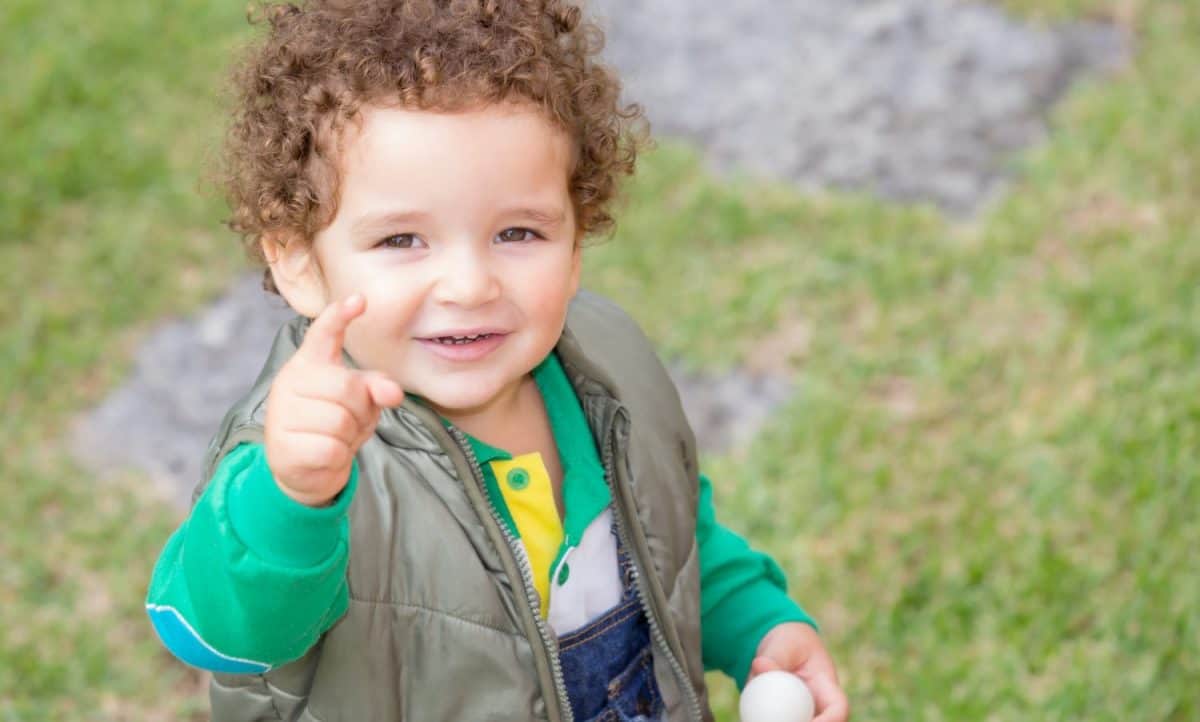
[[324, 338]]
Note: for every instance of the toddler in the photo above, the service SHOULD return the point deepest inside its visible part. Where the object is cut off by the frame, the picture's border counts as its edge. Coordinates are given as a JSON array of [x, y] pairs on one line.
[[461, 488]]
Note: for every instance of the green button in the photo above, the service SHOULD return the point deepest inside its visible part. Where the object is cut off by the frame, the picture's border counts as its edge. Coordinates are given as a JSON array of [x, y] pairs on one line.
[[563, 573], [518, 479]]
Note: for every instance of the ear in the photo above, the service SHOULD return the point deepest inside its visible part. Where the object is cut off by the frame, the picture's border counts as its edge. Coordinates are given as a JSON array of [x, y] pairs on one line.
[[297, 275]]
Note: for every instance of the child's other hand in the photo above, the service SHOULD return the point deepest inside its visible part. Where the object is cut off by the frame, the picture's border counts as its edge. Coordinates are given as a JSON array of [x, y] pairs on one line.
[[796, 647], [319, 411]]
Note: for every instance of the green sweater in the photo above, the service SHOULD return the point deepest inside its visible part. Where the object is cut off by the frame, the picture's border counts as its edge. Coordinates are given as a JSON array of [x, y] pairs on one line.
[[288, 551]]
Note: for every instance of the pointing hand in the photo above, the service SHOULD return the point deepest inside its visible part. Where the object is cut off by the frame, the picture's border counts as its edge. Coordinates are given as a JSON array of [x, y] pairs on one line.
[[319, 412]]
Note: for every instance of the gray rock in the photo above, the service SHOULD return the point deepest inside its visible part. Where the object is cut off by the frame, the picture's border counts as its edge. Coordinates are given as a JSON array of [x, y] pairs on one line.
[[727, 410], [186, 376], [914, 100]]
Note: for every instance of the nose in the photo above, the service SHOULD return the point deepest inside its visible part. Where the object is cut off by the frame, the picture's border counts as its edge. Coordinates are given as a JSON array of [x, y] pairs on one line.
[[466, 277]]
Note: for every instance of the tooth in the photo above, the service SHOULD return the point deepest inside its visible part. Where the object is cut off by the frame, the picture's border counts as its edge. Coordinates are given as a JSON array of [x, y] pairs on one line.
[[459, 340]]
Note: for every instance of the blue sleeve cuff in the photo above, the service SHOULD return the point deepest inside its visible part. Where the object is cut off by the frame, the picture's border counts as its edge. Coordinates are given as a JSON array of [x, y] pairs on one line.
[[190, 648]]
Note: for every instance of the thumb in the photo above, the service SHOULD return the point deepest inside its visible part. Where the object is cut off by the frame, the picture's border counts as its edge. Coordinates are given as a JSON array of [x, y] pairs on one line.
[[384, 392]]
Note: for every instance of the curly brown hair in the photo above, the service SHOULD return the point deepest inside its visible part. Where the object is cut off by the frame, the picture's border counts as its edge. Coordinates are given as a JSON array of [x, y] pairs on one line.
[[322, 60]]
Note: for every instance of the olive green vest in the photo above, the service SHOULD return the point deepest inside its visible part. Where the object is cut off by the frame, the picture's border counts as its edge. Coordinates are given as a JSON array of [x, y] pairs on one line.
[[442, 622]]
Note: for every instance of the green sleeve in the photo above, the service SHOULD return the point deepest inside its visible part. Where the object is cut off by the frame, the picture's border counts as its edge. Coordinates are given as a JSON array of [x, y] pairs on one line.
[[252, 578], [743, 594]]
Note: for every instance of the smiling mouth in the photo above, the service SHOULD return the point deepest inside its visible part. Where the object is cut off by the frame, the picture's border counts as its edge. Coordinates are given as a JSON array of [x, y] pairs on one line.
[[464, 349]]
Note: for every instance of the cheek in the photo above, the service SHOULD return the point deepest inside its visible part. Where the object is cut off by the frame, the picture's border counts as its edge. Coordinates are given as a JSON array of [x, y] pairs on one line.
[[392, 300], [376, 337], [548, 299]]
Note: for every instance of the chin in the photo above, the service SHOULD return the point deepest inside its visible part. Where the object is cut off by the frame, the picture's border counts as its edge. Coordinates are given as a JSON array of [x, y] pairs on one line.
[[459, 399]]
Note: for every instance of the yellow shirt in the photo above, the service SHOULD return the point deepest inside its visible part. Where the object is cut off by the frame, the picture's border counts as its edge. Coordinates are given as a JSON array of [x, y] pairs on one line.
[[521, 489]]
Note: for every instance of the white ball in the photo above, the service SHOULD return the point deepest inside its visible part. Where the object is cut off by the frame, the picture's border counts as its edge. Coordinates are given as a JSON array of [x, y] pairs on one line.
[[776, 696]]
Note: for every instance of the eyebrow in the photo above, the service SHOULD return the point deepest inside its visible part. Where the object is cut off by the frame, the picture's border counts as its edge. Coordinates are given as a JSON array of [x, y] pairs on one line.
[[381, 221], [547, 216]]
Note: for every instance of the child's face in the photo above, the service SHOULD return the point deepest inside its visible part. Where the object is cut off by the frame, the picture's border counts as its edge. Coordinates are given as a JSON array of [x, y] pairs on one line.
[[451, 224]]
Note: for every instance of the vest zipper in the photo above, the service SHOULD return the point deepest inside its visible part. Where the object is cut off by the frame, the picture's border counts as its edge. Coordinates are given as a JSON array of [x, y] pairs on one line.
[[639, 583], [549, 645]]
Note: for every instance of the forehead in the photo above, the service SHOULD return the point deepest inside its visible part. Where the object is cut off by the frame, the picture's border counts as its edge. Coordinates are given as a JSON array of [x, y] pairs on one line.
[[429, 158]]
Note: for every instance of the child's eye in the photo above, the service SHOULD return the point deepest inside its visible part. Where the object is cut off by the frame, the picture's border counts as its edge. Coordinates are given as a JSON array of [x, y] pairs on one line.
[[516, 235], [401, 240]]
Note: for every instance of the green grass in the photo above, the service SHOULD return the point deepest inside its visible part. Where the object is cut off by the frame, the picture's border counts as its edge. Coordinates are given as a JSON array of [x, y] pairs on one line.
[[985, 486], [104, 228]]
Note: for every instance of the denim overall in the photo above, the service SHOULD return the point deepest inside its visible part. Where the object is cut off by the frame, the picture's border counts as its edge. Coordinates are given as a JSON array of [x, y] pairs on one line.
[[607, 663]]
